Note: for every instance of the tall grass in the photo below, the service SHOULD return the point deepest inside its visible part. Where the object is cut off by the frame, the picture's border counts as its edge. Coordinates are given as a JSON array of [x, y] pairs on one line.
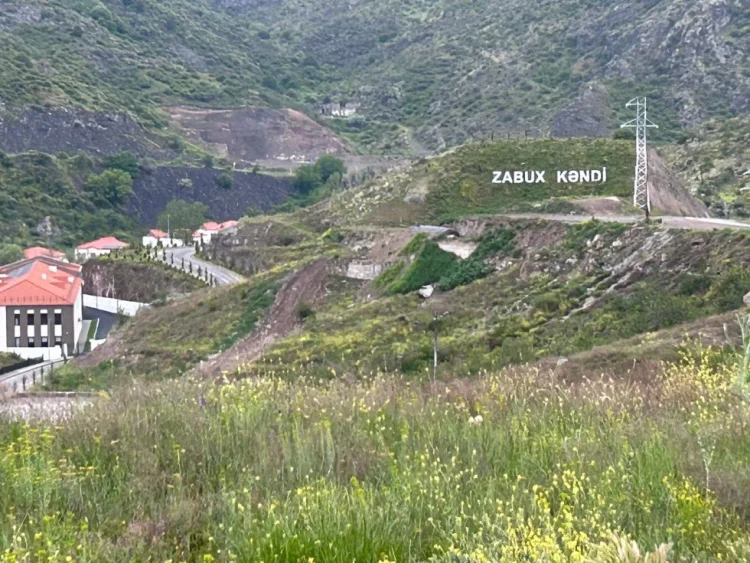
[[510, 467]]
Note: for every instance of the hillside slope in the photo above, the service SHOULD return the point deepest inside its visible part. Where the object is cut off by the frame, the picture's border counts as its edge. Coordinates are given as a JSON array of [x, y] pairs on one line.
[[450, 70], [426, 74], [462, 182]]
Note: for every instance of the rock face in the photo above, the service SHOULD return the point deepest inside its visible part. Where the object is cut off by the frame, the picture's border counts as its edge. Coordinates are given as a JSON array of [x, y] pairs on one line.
[[72, 131], [152, 191], [255, 135]]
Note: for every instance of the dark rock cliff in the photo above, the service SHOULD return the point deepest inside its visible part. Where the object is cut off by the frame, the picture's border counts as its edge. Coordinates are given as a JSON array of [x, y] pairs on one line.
[[154, 189]]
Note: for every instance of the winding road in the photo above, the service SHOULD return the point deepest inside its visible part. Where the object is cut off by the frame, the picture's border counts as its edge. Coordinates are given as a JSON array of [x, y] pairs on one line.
[[668, 221], [223, 275]]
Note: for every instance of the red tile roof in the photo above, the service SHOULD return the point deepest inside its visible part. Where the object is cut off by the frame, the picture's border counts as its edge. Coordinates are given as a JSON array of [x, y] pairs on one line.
[[106, 243], [228, 225], [36, 251], [157, 233], [210, 226], [38, 282]]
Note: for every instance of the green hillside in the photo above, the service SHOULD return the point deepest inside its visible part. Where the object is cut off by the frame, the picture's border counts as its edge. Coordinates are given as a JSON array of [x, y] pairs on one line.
[[45, 200], [425, 74], [714, 160], [460, 182]]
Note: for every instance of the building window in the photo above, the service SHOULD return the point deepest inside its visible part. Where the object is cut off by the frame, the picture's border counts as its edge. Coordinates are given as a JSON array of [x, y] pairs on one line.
[[30, 319], [45, 342], [44, 319], [17, 319], [58, 319], [18, 342], [31, 343], [58, 340]]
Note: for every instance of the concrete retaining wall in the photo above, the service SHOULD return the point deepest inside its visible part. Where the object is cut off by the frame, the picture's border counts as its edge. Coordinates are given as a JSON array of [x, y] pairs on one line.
[[129, 308]]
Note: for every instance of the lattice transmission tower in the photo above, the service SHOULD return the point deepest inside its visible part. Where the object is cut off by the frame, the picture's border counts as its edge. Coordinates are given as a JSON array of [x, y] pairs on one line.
[[641, 124]]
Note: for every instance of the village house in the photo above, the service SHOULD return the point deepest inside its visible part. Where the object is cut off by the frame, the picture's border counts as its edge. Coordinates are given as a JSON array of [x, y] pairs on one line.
[[41, 308], [157, 237], [211, 229], [335, 109], [37, 251], [99, 247]]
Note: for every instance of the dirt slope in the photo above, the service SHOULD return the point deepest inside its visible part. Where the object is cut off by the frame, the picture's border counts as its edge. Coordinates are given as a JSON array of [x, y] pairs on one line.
[[668, 193], [258, 135], [305, 285]]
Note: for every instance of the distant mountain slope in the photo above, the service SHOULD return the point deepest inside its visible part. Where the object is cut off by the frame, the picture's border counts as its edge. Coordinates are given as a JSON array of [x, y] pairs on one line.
[[452, 69], [426, 74]]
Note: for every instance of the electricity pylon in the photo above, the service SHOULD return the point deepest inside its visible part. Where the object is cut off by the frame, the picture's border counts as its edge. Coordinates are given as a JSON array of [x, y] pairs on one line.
[[641, 123]]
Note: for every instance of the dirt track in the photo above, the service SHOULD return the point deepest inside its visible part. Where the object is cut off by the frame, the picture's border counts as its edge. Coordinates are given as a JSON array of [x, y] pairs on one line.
[[306, 285]]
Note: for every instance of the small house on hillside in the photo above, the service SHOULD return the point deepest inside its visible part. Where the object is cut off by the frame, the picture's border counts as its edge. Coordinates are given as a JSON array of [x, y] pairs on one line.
[[335, 109], [211, 229], [37, 251], [156, 237], [99, 247], [41, 308]]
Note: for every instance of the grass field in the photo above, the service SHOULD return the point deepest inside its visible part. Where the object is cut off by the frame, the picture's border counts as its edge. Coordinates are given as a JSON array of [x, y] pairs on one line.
[[511, 466]]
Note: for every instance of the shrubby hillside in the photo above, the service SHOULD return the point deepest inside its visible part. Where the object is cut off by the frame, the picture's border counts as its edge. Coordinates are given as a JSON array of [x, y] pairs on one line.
[[426, 74]]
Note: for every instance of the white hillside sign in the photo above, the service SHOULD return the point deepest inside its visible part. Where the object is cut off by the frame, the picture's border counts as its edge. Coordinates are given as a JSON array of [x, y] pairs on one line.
[[540, 176]]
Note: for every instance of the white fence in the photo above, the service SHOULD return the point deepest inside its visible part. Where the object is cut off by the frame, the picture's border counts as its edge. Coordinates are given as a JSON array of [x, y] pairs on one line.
[[129, 308]]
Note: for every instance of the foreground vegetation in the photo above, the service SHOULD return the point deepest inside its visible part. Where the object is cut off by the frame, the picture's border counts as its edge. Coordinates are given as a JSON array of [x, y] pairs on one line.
[[512, 466]]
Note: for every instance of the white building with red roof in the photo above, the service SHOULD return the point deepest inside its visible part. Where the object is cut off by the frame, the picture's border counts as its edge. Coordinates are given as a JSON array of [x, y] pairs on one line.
[[37, 251], [41, 308], [157, 237], [211, 229], [99, 247]]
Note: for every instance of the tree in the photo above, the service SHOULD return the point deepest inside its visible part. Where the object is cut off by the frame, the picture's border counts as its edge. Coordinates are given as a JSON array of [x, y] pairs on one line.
[[125, 161], [181, 216], [306, 179], [328, 166], [224, 180], [251, 211], [111, 187], [10, 253]]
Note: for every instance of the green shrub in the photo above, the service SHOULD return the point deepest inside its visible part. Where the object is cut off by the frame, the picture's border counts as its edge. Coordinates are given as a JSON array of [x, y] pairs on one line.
[[414, 245], [224, 181], [464, 273], [428, 267], [389, 275]]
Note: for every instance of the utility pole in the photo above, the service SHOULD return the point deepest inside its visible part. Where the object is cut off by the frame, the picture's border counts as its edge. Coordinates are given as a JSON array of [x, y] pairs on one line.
[[641, 124]]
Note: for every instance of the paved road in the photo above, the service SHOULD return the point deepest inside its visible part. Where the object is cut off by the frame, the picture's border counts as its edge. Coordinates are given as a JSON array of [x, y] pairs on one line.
[[13, 382], [223, 276], [669, 221]]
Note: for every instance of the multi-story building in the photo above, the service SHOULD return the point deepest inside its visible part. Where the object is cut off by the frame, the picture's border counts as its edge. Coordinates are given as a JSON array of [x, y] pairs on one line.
[[41, 308]]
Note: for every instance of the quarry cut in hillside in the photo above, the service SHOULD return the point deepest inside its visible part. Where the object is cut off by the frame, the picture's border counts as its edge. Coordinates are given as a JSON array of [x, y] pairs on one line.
[[254, 135]]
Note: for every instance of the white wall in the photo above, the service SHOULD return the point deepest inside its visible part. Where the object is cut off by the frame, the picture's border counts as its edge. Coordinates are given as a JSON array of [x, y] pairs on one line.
[[165, 242], [77, 319], [3, 335], [129, 308], [86, 253]]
